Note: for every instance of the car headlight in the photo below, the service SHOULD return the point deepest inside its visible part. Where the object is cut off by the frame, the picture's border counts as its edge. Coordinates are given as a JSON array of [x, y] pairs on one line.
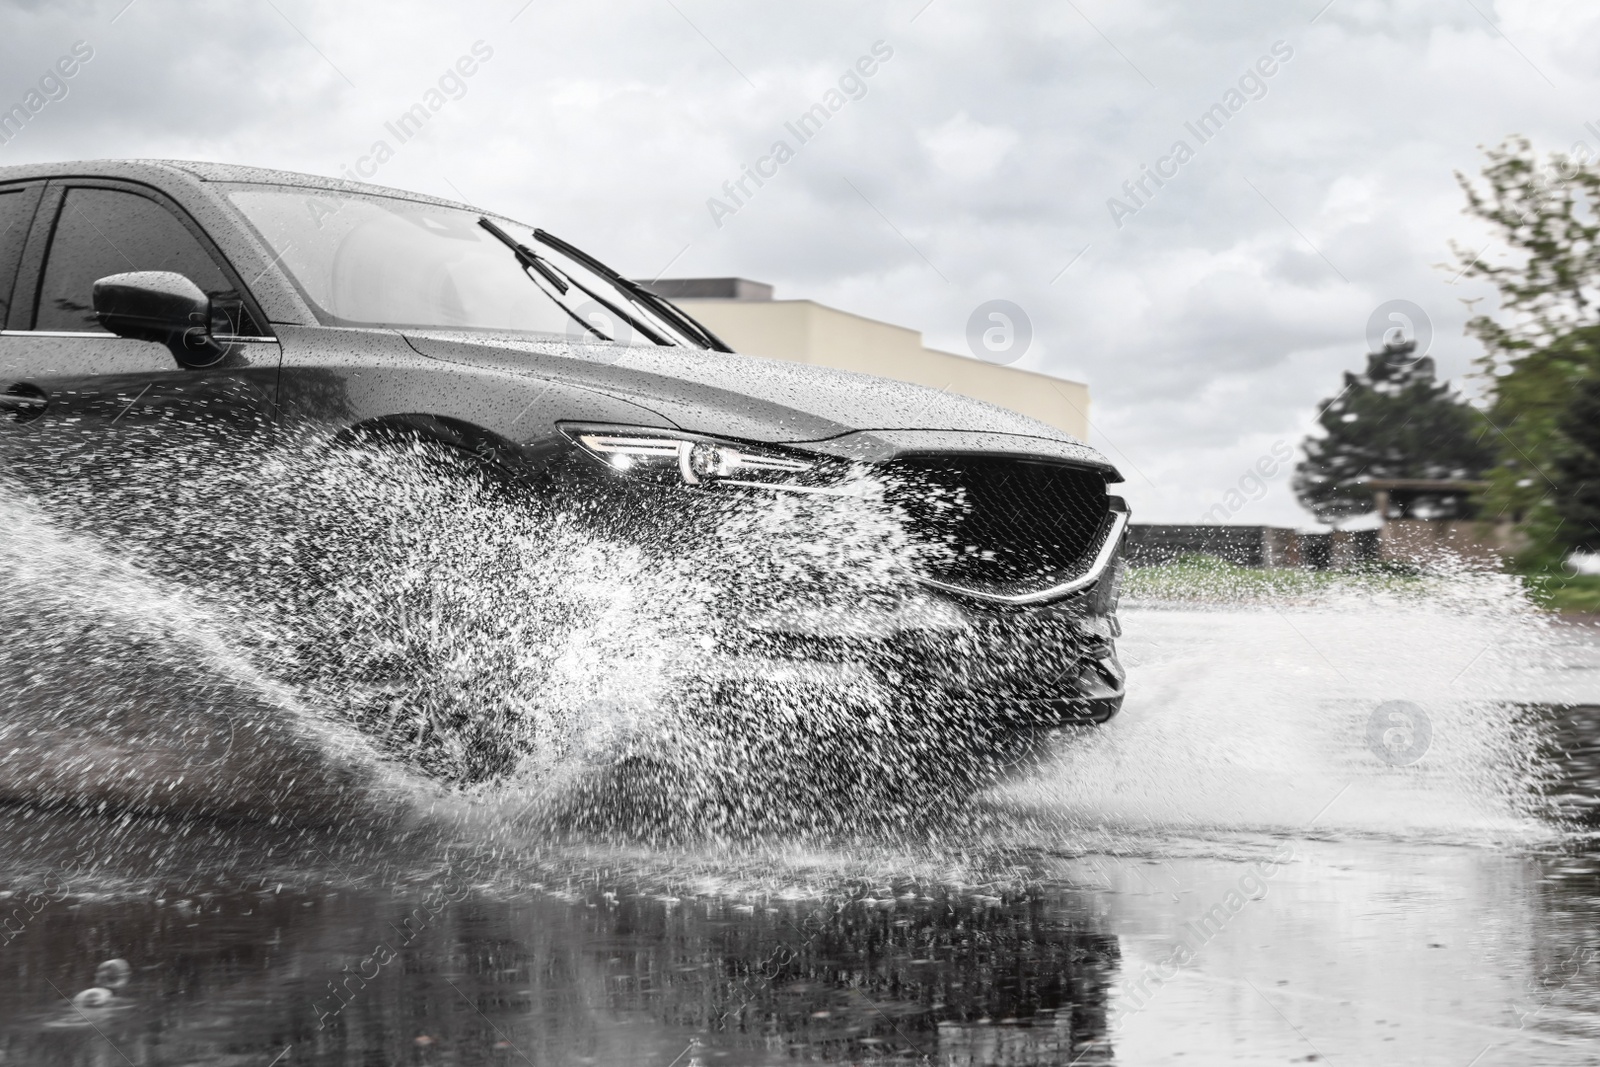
[[705, 462]]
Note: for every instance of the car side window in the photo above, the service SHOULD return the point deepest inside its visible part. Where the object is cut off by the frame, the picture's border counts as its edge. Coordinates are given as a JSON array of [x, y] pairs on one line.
[[108, 231], [16, 212]]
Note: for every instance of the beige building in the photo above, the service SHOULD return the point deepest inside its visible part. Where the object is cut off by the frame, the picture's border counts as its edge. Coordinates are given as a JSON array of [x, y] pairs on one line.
[[744, 314]]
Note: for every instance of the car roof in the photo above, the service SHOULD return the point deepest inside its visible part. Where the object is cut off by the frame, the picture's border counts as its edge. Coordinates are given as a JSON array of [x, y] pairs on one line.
[[163, 172]]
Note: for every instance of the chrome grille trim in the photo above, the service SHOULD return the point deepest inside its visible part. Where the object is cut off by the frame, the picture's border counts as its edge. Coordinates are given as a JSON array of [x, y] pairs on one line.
[[1102, 560]]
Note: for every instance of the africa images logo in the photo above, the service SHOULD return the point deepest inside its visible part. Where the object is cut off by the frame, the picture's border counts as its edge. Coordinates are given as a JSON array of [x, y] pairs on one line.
[[851, 85], [52, 86]]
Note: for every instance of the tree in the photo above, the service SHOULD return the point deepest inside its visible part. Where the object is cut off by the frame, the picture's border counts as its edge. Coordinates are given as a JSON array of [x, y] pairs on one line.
[[1577, 472], [1543, 345], [1396, 420]]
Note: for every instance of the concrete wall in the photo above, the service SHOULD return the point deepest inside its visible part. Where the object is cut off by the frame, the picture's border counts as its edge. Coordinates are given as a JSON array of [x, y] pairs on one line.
[[1247, 546], [1429, 540], [1419, 541], [807, 332]]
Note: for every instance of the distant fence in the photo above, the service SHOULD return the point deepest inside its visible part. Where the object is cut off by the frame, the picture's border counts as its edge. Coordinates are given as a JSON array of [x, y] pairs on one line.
[[1252, 546]]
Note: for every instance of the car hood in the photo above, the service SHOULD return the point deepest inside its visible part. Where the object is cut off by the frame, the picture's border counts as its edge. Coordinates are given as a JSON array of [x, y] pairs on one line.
[[748, 397]]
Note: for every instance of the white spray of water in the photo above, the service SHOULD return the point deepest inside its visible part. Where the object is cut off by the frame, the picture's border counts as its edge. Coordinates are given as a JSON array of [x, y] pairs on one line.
[[122, 693], [468, 634], [1259, 717]]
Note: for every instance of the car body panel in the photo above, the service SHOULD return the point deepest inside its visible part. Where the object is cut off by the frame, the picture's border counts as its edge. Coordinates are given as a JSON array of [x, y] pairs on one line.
[[753, 399], [336, 377], [111, 386], [882, 445]]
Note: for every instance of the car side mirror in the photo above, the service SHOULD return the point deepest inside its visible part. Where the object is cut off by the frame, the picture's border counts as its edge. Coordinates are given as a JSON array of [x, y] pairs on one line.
[[159, 305]]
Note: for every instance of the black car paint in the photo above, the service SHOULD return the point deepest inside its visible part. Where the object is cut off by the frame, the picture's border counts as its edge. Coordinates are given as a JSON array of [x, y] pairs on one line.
[[509, 395]]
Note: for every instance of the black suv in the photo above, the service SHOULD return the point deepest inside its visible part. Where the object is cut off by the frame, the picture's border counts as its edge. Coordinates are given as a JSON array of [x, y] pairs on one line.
[[141, 297]]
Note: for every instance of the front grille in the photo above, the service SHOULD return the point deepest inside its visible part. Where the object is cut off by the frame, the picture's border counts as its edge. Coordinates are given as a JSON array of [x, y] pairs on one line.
[[1003, 526]]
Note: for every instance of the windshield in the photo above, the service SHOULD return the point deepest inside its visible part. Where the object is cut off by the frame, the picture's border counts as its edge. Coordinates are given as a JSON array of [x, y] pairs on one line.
[[385, 261]]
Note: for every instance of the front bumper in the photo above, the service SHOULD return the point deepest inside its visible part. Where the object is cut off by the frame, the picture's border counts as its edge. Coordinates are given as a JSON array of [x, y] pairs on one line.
[[1004, 669], [819, 650]]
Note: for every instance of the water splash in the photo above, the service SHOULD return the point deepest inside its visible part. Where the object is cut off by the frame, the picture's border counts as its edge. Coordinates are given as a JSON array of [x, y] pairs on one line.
[[1259, 716], [122, 693], [551, 656]]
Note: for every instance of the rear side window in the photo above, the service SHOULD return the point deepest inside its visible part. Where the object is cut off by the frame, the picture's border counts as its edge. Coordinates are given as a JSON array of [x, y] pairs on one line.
[[107, 231], [16, 212]]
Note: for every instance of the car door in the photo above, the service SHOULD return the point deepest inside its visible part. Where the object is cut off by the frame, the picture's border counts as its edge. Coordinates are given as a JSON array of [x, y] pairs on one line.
[[17, 204], [86, 410]]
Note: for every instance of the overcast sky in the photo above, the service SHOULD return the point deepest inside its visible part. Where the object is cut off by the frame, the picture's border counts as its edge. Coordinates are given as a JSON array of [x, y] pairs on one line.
[[976, 163]]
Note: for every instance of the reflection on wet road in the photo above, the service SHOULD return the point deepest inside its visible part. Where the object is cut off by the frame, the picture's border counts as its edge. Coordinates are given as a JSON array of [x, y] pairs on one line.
[[598, 967], [1382, 952]]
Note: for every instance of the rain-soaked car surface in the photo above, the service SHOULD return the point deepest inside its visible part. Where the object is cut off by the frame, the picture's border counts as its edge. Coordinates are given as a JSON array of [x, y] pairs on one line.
[[161, 317]]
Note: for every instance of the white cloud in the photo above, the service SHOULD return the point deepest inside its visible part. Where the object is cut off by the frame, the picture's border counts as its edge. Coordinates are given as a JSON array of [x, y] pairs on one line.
[[968, 150]]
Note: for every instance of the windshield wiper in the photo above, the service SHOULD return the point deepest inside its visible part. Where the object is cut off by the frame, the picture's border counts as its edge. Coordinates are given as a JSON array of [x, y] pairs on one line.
[[677, 318], [531, 260], [527, 256]]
